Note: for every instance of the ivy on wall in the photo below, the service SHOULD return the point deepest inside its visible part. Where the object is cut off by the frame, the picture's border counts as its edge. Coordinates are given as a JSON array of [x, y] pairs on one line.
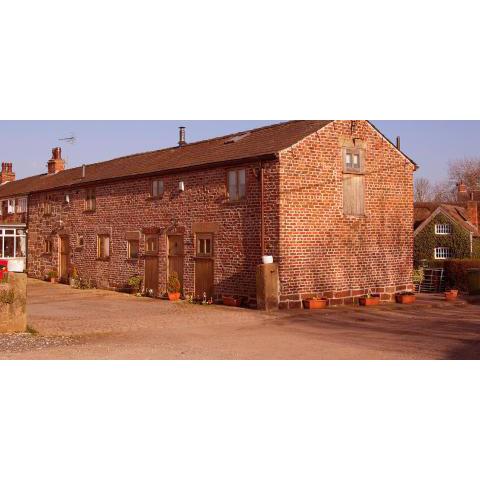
[[458, 241]]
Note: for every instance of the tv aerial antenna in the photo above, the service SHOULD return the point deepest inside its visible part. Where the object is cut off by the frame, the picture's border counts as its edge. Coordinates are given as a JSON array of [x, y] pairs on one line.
[[71, 139]]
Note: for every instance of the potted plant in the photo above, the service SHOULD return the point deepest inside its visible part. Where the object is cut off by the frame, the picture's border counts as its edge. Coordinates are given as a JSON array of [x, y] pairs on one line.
[[369, 300], [135, 282], [451, 295], [73, 279], [405, 297], [315, 303], [52, 276], [173, 287]]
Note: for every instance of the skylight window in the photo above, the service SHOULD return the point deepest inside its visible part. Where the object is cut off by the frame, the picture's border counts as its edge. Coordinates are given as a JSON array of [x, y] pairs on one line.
[[237, 138]]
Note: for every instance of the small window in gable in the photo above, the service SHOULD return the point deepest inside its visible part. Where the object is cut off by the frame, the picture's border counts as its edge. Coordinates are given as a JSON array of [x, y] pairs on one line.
[[443, 229], [353, 160], [442, 253]]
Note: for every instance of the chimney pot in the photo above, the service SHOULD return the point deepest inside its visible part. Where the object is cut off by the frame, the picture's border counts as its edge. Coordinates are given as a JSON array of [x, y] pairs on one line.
[[181, 139], [472, 212], [56, 163], [56, 153], [7, 174], [398, 143]]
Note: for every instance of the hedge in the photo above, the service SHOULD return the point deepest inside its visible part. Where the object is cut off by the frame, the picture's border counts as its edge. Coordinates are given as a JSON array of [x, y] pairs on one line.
[[455, 271]]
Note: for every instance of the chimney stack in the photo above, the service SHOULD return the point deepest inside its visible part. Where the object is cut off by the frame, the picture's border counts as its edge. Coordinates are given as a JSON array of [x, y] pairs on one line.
[[181, 139], [472, 212], [398, 143], [462, 192], [7, 175], [56, 163]]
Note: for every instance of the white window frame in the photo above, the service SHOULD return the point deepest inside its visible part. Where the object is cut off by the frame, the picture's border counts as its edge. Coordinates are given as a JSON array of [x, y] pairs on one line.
[[442, 253], [443, 229], [13, 235], [11, 205]]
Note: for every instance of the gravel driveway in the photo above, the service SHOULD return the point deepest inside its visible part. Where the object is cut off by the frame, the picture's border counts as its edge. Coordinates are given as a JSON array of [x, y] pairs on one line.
[[98, 324]]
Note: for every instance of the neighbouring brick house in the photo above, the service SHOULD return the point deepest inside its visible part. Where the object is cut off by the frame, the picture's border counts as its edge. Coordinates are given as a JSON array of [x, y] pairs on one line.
[[336, 214], [447, 230]]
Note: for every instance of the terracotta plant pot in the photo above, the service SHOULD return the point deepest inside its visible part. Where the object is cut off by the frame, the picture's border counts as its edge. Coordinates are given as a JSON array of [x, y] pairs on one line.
[[232, 301], [369, 301], [315, 303], [53, 280], [405, 298], [173, 297], [451, 295]]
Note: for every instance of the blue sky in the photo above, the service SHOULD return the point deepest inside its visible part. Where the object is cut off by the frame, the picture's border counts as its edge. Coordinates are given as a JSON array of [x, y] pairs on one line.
[[28, 144]]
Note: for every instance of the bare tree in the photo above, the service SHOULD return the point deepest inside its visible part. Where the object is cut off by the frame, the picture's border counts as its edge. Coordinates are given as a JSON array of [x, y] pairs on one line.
[[466, 170], [422, 190], [444, 191]]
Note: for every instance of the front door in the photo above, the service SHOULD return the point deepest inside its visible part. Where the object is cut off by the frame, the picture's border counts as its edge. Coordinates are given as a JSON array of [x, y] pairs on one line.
[[151, 265], [204, 266], [64, 258], [175, 257]]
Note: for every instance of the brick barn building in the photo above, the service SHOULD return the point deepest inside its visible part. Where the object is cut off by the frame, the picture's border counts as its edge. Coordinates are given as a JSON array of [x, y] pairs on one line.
[[331, 201]]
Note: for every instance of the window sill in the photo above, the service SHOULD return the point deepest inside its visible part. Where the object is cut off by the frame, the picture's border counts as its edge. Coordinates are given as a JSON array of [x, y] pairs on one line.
[[353, 172], [104, 259], [89, 211], [152, 199], [354, 217], [133, 259], [235, 202]]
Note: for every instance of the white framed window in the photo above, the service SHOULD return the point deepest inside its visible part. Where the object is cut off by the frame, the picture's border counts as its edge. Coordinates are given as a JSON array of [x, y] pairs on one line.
[[11, 205], [443, 228], [352, 160], [442, 253], [12, 243]]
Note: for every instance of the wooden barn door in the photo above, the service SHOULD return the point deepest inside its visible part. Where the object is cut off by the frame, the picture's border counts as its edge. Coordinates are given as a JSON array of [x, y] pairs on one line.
[[64, 252], [204, 265], [176, 257], [151, 264]]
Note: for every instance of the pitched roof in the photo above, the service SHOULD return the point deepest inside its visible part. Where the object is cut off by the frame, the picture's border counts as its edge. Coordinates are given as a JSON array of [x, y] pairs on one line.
[[424, 211], [236, 146]]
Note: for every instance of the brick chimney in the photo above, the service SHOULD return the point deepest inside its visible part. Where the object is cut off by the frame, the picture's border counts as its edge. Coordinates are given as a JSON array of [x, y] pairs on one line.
[[462, 192], [7, 174], [56, 163], [472, 212]]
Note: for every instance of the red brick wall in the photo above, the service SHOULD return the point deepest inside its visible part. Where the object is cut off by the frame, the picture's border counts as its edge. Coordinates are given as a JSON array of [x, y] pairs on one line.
[[319, 250], [126, 206], [323, 252]]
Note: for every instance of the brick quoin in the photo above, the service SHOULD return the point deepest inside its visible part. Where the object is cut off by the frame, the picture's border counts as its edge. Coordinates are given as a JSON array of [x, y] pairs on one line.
[[320, 251]]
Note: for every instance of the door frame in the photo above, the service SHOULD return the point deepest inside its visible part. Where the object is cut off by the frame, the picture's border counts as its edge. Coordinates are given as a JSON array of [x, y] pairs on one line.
[[198, 256], [168, 235], [149, 254], [61, 239]]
